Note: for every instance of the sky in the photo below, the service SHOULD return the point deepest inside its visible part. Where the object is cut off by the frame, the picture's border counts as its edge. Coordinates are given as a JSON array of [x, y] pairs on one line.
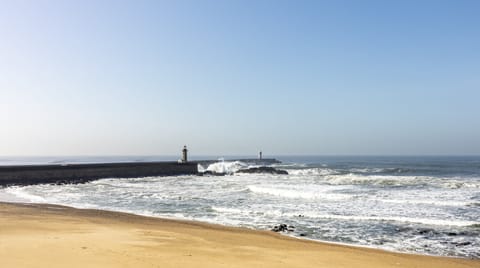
[[235, 77]]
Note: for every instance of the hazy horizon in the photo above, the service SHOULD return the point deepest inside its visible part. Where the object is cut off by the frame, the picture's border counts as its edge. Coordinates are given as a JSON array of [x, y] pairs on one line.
[[143, 78], [219, 155]]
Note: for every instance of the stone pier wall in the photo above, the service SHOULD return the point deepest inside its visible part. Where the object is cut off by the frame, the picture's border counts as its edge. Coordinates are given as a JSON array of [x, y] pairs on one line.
[[79, 173]]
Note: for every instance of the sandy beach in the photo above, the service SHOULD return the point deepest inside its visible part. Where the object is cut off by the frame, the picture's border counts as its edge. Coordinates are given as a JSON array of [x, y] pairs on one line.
[[33, 235]]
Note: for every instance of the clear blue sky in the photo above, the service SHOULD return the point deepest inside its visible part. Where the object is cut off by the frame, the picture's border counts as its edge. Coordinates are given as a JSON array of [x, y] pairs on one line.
[[233, 77]]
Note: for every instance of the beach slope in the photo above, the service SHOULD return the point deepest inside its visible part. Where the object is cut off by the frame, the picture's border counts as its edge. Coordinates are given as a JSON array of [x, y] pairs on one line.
[[33, 235]]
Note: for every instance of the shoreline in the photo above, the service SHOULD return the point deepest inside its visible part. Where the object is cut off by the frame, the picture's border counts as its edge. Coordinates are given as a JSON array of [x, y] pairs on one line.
[[40, 230], [194, 222]]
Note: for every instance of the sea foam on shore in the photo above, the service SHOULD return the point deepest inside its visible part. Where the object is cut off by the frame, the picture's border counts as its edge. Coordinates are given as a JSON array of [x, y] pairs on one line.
[[427, 206]]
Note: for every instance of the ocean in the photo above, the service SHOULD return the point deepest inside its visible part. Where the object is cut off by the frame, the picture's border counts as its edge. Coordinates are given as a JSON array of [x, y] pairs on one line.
[[423, 205]]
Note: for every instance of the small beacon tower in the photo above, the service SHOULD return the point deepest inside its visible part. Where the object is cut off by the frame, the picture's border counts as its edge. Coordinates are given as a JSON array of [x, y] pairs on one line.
[[184, 154], [260, 155]]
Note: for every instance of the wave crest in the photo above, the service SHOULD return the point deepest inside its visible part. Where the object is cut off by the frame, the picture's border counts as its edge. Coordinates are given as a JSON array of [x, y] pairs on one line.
[[289, 191], [20, 193], [425, 221], [313, 172], [224, 167], [385, 180]]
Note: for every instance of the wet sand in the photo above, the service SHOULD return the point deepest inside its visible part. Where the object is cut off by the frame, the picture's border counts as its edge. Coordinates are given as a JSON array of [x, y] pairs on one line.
[[33, 235]]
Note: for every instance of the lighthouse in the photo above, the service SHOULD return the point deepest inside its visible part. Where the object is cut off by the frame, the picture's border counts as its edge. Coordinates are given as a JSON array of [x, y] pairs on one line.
[[184, 154]]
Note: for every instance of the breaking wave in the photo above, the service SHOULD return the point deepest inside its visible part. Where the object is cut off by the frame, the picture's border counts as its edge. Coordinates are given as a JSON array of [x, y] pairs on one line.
[[379, 170], [224, 167], [313, 172], [22, 194], [384, 180], [448, 203], [290, 191], [425, 221], [315, 215]]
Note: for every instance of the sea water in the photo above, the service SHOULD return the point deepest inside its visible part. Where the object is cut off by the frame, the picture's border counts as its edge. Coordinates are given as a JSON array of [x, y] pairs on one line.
[[425, 205]]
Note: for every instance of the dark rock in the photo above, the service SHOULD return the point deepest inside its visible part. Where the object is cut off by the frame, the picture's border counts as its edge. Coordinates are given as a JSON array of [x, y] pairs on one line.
[[423, 231], [280, 228], [211, 173], [267, 170], [427, 231], [302, 234], [459, 244]]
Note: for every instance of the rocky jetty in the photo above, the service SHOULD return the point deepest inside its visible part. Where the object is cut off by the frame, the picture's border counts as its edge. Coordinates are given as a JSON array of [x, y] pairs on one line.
[[81, 173], [266, 170], [211, 173]]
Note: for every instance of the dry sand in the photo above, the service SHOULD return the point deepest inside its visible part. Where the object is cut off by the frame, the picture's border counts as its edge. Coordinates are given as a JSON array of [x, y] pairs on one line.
[[54, 236]]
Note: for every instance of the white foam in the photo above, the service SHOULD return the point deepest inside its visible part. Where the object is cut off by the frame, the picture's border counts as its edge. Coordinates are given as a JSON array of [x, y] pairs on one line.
[[425, 201], [312, 172], [376, 180], [200, 168], [250, 212], [288, 165], [229, 210], [398, 219], [291, 191], [22, 194], [226, 167], [460, 183], [449, 183], [374, 170], [8, 197]]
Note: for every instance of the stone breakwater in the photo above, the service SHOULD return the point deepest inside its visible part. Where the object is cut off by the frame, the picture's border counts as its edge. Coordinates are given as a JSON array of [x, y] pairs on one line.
[[80, 173]]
